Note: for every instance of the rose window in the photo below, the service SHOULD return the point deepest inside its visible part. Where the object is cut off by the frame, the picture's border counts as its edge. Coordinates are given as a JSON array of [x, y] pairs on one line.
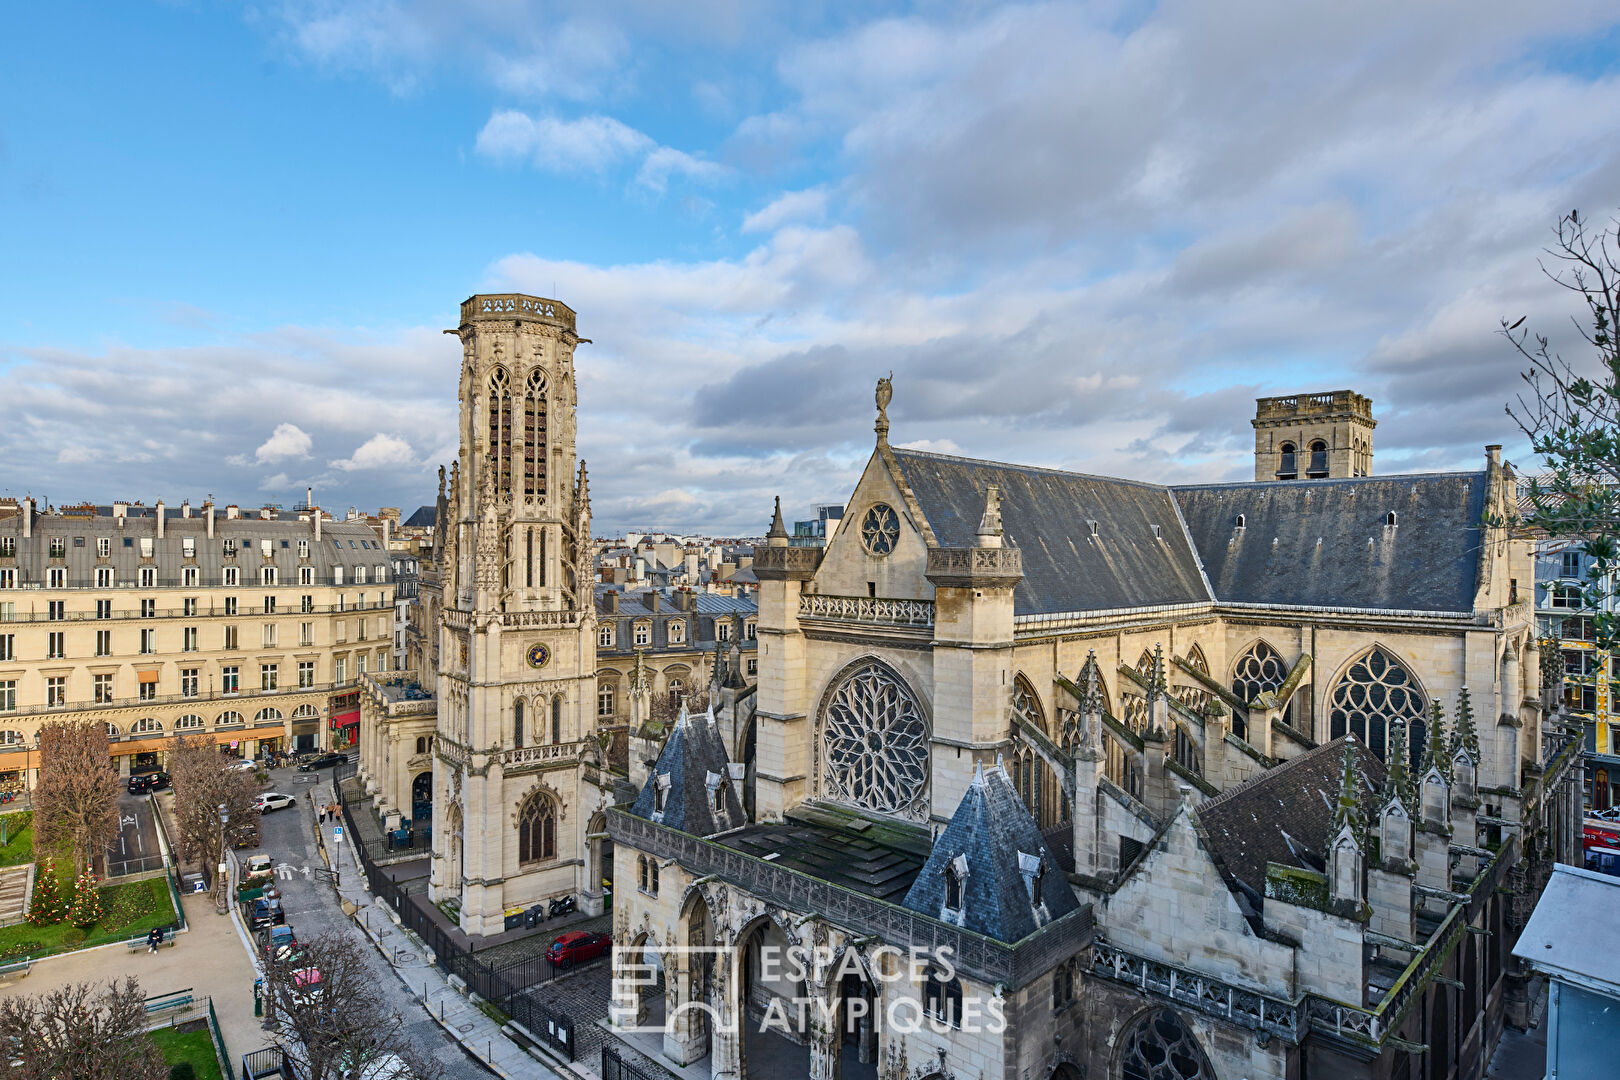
[[876, 744], [880, 529]]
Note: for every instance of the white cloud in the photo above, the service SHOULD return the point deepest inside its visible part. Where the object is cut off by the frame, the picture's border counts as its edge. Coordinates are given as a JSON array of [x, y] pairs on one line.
[[77, 455], [287, 441], [795, 206], [589, 144], [664, 162], [381, 451]]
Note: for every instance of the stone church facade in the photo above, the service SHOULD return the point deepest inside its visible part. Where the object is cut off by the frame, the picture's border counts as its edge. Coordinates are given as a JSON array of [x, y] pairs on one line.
[[1227, 780]]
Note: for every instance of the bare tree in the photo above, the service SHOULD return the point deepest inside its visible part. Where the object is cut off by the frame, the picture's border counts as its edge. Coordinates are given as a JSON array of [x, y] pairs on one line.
[[666, 708], [1571, 410], [201, 780], [81, 1032], [325, 1002], [76, 799]]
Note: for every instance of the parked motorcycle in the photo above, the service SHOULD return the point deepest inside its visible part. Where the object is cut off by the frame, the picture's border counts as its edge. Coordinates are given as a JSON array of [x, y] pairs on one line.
[[562, 905]]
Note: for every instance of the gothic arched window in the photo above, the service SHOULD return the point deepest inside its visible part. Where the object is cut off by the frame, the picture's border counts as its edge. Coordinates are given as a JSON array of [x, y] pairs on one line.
[[500, 429], [556, 718], [534, 437], [517, 723], [1192, 694], [1159, 1047], [1032, 777], [1287, 466], [1319, 461], [1373, 691], [875, 743], [537, 829], [1257, 671]]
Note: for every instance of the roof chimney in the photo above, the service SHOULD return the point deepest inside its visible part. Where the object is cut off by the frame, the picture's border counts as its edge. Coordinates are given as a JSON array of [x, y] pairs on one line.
[[387, 531], [1493, 455], [652, 601], [610, 600], [160, 519], [120, 512], [317, 513], [309, 496], [185, 508], [209, 506], [28, 516], [232, 511]]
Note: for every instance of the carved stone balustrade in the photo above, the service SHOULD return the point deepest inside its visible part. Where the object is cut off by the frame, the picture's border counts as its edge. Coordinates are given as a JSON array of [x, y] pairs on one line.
[[1205, 993], [540, 755], [975, 567], [786, 563], [866, 609]]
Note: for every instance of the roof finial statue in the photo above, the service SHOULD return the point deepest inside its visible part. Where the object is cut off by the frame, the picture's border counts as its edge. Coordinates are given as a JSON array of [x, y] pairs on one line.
[[441, 481], [990, 523], [885, 394]]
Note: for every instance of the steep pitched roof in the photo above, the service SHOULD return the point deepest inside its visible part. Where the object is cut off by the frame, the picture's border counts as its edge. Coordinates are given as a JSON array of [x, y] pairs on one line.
[[423, 518], [993, 837], [1284, 814], [1046, 513], [689, 769], [1306, 541]]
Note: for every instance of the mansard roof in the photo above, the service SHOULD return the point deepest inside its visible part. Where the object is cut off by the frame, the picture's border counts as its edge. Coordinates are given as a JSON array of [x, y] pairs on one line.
[[1283, 815], [993, 835], [692, 764], [1306, 542], [423, 518], [1048, 515]]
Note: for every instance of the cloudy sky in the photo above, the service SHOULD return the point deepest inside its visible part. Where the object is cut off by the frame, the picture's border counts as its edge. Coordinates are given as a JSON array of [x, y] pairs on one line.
[[1080, 235]]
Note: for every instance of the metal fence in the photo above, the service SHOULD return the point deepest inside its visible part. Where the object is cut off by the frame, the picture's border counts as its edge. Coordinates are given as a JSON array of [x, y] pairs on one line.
[[553, 1028], [619, 1064]]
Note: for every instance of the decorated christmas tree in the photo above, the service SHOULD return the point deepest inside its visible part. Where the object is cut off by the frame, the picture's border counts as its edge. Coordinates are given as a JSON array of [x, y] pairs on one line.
[[47, 906], [86, 907]]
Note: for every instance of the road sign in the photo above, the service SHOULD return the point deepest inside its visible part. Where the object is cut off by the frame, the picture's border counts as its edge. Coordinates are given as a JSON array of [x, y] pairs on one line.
[[337, 834]]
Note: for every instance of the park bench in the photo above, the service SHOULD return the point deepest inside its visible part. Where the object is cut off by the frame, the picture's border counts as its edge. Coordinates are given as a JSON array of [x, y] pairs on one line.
[[16, 967], [177, 999], [138, 944]]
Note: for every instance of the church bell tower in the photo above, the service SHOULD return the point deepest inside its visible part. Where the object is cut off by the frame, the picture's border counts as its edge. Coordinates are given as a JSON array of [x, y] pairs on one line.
[[517, 648]]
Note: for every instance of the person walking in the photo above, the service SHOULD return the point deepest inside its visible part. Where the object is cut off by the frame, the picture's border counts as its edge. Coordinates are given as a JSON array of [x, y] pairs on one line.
[[154, 938]]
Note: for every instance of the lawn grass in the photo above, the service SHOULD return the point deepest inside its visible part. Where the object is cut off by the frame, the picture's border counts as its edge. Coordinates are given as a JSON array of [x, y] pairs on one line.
[[19, 833], [196, 1047], [130, 909]]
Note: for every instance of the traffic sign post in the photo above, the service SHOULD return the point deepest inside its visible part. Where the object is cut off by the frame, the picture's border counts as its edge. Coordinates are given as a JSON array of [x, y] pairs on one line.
[[337, 857]]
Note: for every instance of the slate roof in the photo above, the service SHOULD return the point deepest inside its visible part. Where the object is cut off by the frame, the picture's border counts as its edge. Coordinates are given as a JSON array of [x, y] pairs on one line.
[[343, 543], [1045, 512], [875, 861], [995, 833], [423, 518], [1283, 814], [1427, 562], [694, 760]]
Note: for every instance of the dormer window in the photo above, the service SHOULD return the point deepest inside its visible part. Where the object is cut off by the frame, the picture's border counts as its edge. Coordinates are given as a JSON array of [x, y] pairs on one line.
[[1390, 520], [1034, 872], [955, 883], [1240, 522], [660, 792], [720, 797]]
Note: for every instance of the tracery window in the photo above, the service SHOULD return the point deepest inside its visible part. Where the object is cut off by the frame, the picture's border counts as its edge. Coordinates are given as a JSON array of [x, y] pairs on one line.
[[1257, 671], [1190, 694], [1373, 691], [534, 437], [880, 529], [875, 744], [500, 429], [1032, 777], [1160, 1047], [517, 723], [537, 829]]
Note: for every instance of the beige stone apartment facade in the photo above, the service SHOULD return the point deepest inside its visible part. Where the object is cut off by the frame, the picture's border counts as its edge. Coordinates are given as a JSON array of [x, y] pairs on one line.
[[250, 629]]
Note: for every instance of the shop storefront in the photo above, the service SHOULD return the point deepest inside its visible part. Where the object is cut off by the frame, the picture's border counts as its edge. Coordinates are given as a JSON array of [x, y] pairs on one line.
[[344, 721]]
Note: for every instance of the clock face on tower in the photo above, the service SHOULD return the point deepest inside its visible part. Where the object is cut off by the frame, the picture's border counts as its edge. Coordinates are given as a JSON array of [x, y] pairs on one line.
[[538, 655]]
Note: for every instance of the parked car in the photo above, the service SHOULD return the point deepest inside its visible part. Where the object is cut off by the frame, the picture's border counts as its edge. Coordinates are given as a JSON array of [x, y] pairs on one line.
[[140, 783], [578, 946], [279, 942], [259, 868], [274, 800], [242, 765], [321, 761], [265, 911]]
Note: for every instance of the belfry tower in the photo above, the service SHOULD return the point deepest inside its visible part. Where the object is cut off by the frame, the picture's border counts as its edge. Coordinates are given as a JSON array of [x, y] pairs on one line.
[[517, 647]]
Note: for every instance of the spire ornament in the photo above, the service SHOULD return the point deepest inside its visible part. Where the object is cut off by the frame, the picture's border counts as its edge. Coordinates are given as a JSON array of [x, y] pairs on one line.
[[884, 395], [1347, 811], [1463, 734], [778, 527], [990, 522], [1398, 776]]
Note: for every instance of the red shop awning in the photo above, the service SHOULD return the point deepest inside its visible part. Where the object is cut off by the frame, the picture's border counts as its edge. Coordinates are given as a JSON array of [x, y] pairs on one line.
[[344, 719]]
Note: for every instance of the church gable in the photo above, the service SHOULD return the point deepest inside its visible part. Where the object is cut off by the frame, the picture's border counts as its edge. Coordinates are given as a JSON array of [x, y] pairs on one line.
[[880, 547]]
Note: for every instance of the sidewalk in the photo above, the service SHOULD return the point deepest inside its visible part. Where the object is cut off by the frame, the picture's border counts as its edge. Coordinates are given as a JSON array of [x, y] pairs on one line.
[[209, 957], [413, 963]]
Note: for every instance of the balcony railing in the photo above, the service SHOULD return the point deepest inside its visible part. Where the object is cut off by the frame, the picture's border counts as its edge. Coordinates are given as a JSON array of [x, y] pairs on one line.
[[212, 613], [245, 581], [867, 610], [461, 619], [174, 699], [1235, 1004], [539, 755]]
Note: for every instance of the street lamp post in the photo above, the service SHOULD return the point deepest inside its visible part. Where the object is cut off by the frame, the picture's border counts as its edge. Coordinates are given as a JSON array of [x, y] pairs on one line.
[[220, 871]]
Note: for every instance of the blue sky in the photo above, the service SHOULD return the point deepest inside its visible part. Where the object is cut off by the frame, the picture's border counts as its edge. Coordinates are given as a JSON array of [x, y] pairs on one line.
[[1081, 235]]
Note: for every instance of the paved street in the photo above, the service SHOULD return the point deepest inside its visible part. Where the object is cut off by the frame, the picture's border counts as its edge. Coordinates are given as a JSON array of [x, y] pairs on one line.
[[312, 908], [135, 848]]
